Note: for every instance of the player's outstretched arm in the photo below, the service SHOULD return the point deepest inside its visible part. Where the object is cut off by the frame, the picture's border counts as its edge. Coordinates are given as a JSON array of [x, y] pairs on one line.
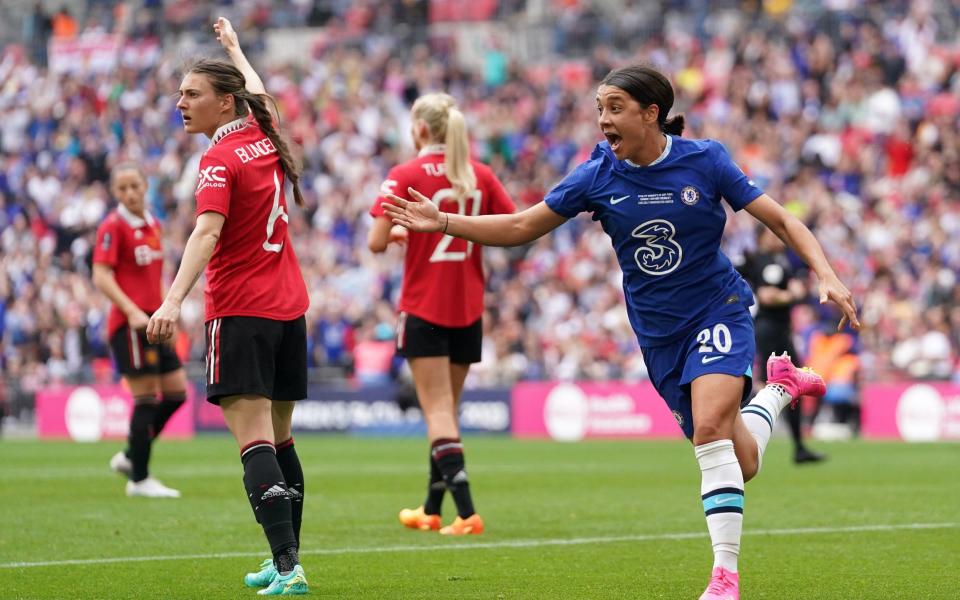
[[228, 39], [796, 235], [196, 255], [514, 229]]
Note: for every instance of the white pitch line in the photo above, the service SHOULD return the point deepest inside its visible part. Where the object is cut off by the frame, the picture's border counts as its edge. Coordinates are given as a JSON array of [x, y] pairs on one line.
[[485, 545]]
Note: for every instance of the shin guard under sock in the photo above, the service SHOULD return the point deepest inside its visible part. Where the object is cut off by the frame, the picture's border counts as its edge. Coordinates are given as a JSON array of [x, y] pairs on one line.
[[436, 488], [293, 474], [170, 402], [449, 456], [268, 495], [141, 436]]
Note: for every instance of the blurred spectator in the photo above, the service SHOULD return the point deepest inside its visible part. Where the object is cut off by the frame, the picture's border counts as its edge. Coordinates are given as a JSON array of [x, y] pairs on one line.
[[373, 355], [36, 31], [64, 26]]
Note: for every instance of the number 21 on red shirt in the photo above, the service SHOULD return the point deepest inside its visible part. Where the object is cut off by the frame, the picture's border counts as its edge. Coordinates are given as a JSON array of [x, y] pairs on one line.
[[440, 253]]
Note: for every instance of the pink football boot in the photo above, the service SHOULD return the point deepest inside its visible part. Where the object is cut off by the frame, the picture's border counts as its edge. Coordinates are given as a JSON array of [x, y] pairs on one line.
[[797, 382], [724, 585]]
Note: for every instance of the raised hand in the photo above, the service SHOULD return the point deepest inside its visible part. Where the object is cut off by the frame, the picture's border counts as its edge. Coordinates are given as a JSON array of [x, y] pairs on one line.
[[225, 34], [418, 214], [832, 290]]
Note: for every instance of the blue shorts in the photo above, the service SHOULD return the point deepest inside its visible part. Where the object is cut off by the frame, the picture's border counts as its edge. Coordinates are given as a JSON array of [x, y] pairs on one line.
[[722, 342]]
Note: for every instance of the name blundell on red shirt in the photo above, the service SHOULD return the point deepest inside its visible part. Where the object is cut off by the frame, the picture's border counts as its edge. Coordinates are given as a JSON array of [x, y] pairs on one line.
[[253, 270]]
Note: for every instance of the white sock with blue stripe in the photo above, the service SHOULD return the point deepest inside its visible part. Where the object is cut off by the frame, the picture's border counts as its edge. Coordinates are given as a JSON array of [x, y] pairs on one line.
[[761, 415], [721, 489]]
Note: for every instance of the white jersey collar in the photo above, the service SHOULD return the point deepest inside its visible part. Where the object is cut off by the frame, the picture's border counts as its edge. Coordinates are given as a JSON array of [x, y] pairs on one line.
[[432, 149], [133, 220], [660, 159], [227, 129]]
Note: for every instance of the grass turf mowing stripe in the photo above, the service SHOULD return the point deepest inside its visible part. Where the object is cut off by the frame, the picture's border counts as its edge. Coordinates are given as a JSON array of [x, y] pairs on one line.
[[488, 545]]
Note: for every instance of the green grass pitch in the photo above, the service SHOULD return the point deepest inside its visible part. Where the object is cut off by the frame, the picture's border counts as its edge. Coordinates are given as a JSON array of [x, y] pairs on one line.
[[580, 521]]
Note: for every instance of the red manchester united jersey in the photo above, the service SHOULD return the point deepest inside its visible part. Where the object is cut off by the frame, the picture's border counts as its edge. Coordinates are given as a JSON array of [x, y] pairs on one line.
[[131, 246], [253, 271], [442, 275]]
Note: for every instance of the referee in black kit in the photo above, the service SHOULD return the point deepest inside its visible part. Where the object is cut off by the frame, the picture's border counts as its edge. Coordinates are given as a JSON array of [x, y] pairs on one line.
[[777, 289]]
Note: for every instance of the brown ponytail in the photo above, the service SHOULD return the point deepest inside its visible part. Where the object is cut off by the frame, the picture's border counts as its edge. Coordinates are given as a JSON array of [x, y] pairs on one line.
[[291, 167], [227, 79]]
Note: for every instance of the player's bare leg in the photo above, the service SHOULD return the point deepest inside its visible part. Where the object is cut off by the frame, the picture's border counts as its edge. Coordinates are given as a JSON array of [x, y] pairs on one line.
[[474, 524], [289, 461], [785, 385], [438, 384], [250, 420], [144, 390], [282, 418], [716, 403]]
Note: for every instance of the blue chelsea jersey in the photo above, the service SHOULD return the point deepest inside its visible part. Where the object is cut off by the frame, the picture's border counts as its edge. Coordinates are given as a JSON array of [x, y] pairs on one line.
[[665, 221]]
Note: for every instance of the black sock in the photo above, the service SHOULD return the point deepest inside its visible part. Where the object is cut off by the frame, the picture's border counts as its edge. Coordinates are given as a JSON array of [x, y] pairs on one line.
[[449, 456], [286, 560], [141, 436], [268, 496], [293, 474], [169, 403], [435, 489]]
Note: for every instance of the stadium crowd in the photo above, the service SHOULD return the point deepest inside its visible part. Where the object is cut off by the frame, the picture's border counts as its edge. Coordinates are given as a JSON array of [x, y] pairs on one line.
[[850, 117]]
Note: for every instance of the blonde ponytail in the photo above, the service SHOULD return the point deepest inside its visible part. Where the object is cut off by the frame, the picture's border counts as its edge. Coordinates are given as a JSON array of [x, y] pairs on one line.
[[457, 154], [447, 124]]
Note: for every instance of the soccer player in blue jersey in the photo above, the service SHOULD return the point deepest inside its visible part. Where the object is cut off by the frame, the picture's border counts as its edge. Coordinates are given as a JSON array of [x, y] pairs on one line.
[[657, 196]]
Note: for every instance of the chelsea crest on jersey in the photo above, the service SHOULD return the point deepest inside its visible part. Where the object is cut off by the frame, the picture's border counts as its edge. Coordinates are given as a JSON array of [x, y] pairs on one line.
[[665, 221]]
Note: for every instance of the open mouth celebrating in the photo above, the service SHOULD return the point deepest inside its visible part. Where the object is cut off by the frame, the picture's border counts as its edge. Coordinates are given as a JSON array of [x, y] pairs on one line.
[[614, 140]]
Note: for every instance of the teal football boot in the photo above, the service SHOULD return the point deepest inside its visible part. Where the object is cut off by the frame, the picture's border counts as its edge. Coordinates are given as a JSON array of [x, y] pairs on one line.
[[263, 577], [293, 583]]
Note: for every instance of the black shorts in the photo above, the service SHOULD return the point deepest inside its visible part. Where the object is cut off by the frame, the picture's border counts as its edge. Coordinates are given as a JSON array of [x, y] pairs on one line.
[[135, 356], [417, 338], [254, 356]]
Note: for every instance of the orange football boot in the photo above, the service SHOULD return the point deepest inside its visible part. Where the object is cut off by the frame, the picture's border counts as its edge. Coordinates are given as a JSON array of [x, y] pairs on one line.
[[415, 518], [472, 525]]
